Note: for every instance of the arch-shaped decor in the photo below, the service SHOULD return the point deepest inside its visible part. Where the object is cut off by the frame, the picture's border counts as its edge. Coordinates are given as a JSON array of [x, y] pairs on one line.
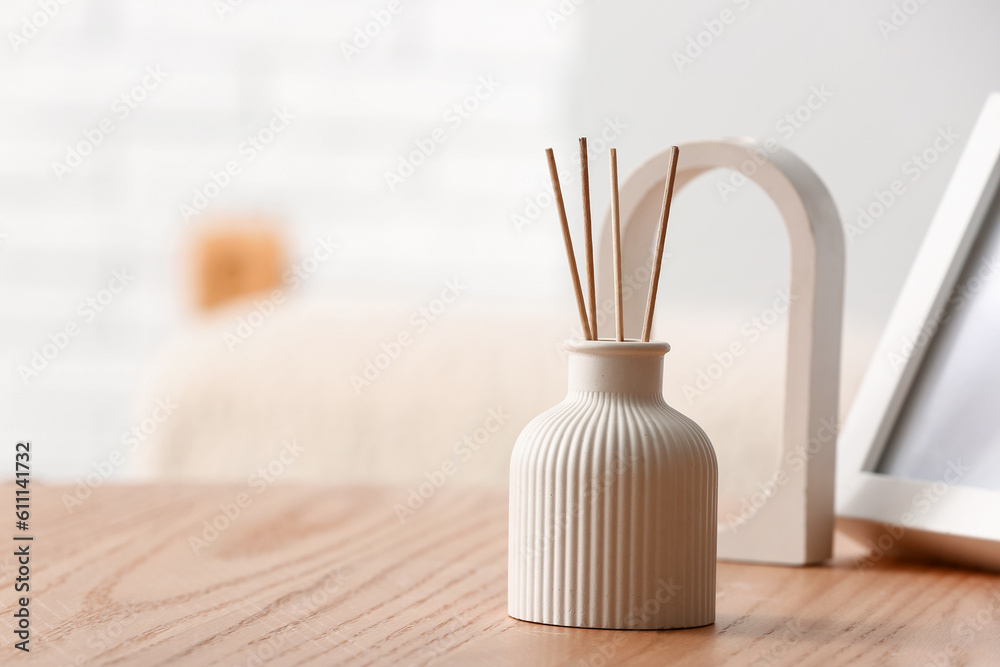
[[795, 525]]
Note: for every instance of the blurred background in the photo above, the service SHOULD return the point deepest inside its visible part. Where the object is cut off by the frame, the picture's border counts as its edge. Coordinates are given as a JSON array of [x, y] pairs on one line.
[[241, 232]]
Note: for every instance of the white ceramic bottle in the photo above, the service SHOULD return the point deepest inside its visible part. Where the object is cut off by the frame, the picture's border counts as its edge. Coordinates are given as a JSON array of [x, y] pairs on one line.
[[613, 501]]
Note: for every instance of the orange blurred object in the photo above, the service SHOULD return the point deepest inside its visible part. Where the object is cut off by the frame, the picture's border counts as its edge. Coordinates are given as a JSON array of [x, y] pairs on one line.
[[235, 258]]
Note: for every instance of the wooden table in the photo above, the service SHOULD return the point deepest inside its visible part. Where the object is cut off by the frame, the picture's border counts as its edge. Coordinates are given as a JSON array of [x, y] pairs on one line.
[[326, 576]]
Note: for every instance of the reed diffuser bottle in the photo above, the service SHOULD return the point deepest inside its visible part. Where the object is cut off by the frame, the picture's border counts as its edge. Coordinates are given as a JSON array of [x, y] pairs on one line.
[[613, 501], [613, 493]]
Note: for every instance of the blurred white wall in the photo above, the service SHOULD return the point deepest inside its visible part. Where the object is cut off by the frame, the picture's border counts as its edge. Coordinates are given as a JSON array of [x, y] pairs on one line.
[[354, 114], [560, 70], [888, 91]]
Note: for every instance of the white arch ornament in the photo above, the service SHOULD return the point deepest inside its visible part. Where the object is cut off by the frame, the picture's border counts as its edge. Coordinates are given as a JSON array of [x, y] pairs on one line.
[[795, 525]]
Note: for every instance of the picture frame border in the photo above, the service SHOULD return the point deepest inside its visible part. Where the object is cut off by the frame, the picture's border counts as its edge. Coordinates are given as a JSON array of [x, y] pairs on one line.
[[873, 505]]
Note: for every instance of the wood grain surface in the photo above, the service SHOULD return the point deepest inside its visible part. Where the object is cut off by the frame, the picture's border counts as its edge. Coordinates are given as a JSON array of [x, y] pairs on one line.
[[330, 576]]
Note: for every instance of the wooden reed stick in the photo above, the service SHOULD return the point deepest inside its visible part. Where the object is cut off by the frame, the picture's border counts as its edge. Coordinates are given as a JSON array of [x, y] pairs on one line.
[[616, 241], [661, 232], [588, 238], [568, 242]]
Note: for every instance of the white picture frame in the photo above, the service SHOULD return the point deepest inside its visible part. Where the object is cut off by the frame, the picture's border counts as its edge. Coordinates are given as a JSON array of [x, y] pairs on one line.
[[941, 519]]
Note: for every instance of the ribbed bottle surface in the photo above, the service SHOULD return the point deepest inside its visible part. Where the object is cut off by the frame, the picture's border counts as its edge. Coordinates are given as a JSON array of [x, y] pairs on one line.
[[613, 504]]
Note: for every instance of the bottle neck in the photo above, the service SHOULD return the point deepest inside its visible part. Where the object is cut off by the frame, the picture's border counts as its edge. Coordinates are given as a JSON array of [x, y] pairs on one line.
[[629, 367]]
